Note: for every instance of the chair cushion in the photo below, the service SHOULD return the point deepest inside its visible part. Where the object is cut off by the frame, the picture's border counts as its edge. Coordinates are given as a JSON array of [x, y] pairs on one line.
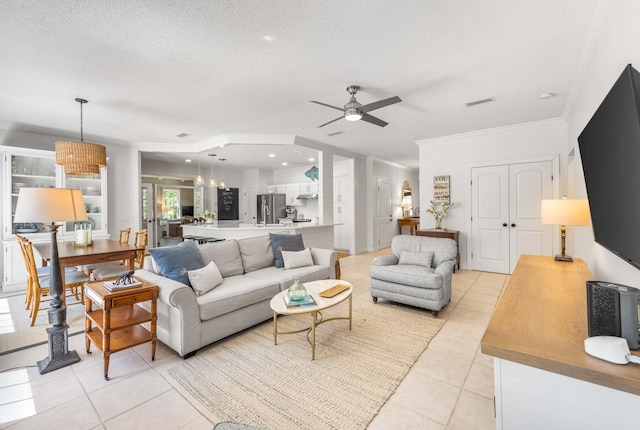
[[415, 276], [256, 253], [226, 254], [423, 258], [205, 279], [174, 262], [234, 293], [293, 259], [285, 242]]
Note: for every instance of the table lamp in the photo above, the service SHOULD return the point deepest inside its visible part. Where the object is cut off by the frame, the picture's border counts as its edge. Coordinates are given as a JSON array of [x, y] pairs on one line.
[[565, 212], [50, 206]]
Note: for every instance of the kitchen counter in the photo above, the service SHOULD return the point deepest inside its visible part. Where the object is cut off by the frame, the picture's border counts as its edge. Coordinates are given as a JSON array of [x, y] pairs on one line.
[[313, 235]]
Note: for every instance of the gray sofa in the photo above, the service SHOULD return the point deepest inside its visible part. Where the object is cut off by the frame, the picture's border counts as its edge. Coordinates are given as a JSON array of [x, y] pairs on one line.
[[418, 272], [187, 322]]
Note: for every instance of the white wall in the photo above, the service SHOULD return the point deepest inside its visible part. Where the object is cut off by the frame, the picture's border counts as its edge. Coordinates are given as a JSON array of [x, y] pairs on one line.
[[616, 47], [455, 155]]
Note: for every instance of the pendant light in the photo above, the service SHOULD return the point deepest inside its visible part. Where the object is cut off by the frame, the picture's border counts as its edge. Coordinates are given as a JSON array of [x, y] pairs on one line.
[[199, 179], [212, 181], [221, 184], [81, 158]]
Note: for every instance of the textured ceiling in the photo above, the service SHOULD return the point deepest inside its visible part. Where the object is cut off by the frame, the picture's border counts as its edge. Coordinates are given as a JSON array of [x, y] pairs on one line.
[[152, 69]]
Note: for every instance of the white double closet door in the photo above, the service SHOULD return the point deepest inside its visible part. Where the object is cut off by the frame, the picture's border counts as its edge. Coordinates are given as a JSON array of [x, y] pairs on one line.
[[505, 223]]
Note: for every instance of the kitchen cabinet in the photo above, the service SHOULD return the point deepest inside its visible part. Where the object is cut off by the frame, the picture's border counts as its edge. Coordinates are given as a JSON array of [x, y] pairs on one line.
[[292, 192], [342, 212], [33, 168], [309, 188]]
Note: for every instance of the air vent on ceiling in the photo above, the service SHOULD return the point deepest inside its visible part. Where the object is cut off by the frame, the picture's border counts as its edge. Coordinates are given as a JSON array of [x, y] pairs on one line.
[[182, 135], [481, 101], [335, 133]]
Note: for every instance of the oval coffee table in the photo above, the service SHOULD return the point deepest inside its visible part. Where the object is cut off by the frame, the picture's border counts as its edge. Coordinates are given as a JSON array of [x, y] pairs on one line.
[[314, 288]]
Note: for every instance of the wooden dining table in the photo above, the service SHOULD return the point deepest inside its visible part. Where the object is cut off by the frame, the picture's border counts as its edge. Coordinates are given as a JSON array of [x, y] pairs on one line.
[[102, 250]]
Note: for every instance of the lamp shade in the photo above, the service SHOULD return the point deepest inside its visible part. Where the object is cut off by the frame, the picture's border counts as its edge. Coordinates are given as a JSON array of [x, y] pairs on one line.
[[565, 212], [81, 158], [50, 205], [407, 202]]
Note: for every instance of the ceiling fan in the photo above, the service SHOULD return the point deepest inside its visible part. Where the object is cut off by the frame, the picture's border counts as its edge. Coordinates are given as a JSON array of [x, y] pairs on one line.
[[354, 111]]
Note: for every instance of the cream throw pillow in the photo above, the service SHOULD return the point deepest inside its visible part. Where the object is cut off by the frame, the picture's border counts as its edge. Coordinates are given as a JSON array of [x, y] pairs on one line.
[[205, 279], [293, 259]]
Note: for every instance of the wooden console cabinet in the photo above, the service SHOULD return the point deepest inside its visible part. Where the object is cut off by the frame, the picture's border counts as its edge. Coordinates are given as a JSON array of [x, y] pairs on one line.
[[544, 379], [450, 234], [117, 324]]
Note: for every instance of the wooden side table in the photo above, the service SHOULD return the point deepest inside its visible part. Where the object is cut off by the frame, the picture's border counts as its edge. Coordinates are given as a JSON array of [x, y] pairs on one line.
[[413, 224], [450, 234], [118, 324]]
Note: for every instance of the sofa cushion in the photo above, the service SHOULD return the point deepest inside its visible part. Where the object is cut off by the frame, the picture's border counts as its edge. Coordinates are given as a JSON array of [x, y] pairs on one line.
[[205, 279], [226, 254], [234, 293], [285, 242], [256, 253], [414, 276], [174, 262], [423, 258], [285, 277], [293, 259]]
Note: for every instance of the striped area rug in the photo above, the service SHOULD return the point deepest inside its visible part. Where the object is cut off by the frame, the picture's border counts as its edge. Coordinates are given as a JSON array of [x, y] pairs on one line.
[[247, 379]]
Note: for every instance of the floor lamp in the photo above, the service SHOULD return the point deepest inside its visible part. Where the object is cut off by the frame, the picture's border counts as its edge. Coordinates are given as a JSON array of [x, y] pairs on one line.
[[565, 212], [50, 206]]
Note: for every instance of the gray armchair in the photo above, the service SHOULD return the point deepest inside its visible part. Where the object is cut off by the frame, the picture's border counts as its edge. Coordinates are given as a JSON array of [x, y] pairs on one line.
[[418, 272]]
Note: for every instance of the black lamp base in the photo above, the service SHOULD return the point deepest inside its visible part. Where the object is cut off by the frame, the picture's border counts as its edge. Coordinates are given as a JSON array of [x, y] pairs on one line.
[[564, 257], [59, 354]]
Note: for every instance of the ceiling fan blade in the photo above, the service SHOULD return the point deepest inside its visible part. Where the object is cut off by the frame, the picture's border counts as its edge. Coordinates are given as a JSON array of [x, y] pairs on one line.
[[380, 104], [373, 120], [324, 104], [333, 120]]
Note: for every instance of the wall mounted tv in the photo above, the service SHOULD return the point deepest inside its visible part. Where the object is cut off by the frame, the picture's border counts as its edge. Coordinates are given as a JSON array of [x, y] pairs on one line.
[[610, 151]]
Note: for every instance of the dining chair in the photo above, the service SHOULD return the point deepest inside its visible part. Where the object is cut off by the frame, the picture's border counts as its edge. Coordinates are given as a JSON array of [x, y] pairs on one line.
[[123, 237], [38, 286], [42, 272], [140, 241]]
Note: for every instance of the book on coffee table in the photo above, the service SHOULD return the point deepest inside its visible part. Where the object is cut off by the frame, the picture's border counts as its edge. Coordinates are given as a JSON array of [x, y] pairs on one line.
[[307, 301]]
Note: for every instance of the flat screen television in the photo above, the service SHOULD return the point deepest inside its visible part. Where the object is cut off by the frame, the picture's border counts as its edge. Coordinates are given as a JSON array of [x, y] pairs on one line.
[[610, 151]]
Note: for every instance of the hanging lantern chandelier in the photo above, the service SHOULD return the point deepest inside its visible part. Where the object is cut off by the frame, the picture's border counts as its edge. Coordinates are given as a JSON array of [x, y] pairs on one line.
[[81, 158], [199, 181], [212, 181]]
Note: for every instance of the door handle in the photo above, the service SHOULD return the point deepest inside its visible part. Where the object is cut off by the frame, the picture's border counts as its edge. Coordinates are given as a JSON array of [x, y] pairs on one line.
[[513, 225], [504, 224]]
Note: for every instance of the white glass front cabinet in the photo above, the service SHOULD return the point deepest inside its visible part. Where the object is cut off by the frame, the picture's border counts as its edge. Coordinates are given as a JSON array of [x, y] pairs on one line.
[[33, 168]]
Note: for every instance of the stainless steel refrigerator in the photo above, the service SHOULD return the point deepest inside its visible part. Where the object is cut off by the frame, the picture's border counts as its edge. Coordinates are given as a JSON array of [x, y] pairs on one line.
[[272, 207]]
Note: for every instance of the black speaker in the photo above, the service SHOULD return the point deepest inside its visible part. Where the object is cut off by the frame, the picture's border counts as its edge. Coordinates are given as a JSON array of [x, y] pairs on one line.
[[614, 310]]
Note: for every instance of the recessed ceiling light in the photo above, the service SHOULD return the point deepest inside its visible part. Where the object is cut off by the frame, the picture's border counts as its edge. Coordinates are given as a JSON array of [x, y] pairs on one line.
[[272, 155], [268, 38], [545, 96], [284, 163], [311, 159], [188, 160]]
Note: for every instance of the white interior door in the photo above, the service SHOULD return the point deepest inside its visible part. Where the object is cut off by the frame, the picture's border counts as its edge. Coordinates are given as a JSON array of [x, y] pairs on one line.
[[385, 215], [529, 183], [506, 214], [490, 217], [148, 213]]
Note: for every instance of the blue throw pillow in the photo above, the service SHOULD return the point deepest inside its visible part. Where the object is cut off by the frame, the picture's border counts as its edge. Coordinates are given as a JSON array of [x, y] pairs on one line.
[[285, 242], [175, 262]]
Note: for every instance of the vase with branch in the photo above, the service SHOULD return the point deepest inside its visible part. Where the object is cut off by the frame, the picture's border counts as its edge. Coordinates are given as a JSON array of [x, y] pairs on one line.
[[439, 211]]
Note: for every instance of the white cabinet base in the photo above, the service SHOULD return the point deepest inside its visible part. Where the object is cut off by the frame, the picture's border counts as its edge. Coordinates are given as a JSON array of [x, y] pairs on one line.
[[528, 398]]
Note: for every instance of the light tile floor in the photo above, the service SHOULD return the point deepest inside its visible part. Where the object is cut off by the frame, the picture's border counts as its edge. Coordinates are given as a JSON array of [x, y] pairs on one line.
[[449, 387]]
